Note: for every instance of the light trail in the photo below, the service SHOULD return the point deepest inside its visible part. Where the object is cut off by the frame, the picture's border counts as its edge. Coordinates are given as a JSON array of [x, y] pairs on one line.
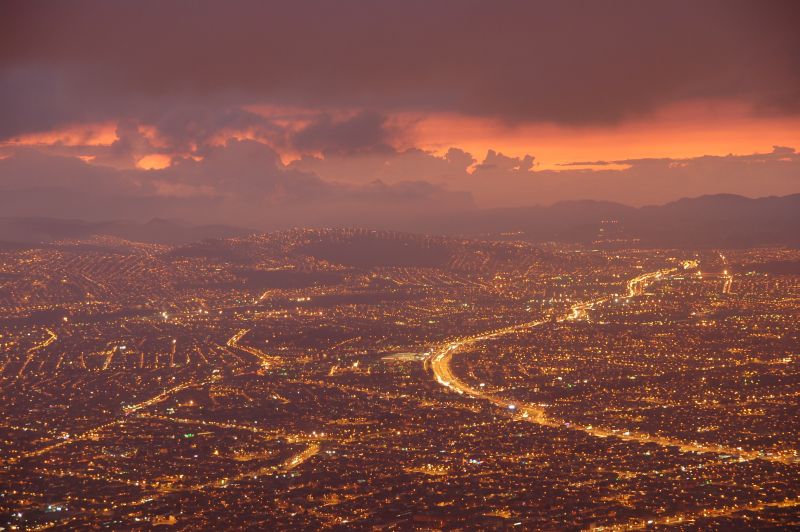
[[52, 338], [686, 518], [89, 434], [265, 359], [172, 353], [300, 458], [726, 288], [166, 393], [128, 409], [439, 363], [286, 465], [217, 424], [109, 356]]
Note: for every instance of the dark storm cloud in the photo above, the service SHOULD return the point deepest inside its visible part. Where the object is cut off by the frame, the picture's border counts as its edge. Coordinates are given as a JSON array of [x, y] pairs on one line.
[[364, 132], [189, 128], [243, 182], [390, 166], [565, 62]]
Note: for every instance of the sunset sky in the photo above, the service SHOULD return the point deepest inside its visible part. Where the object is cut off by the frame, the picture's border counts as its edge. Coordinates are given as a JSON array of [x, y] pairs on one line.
[[270, 114]]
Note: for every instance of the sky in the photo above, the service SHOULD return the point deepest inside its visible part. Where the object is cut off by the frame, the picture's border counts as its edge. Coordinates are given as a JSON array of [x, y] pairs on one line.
[[271, 114]]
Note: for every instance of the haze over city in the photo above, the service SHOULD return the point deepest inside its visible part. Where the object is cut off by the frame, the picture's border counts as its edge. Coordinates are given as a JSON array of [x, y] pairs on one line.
[[383, 265]]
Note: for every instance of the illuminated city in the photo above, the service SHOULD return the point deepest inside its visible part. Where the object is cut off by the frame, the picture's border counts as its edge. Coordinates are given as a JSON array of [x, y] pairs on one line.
[[383, 265], [146, 383]]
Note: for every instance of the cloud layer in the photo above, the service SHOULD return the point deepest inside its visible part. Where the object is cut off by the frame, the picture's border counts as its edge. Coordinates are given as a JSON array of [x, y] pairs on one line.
[[242, 182], [633, 182], [564, 62], [245, 183], [276, 114]]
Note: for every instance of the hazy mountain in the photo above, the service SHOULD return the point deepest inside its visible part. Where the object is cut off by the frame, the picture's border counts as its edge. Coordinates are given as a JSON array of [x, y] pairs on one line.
[[722, 220], [157, 230]]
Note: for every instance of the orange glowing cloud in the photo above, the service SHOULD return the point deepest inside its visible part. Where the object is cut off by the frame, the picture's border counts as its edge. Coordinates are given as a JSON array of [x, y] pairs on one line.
[[98, 134], [154, 161], [688, 130]]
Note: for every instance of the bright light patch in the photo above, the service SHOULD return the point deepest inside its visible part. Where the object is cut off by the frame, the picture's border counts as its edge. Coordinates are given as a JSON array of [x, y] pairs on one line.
[[102, 134], [155, 161]]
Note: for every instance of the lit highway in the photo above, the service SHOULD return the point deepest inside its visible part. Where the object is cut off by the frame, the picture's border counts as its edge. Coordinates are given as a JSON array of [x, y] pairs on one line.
[[439, 364], [265, 360], [167, 393], [32, 351], [687, 518]]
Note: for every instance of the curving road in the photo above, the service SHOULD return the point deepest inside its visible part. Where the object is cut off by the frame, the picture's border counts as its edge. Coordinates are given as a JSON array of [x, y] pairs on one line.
[[440, 358]]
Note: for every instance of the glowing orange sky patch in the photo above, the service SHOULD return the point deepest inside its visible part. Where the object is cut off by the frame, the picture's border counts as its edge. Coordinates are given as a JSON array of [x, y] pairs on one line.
[[155, 161], [100, 134], [689, 130]]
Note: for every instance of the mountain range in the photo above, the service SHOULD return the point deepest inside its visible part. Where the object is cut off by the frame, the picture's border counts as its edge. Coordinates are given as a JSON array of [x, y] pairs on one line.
[[721, 220]]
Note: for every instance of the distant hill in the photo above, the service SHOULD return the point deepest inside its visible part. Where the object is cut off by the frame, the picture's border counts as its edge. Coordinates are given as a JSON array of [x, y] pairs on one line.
[[722, 220], [157, 230], [776, 267], [374, 249]]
